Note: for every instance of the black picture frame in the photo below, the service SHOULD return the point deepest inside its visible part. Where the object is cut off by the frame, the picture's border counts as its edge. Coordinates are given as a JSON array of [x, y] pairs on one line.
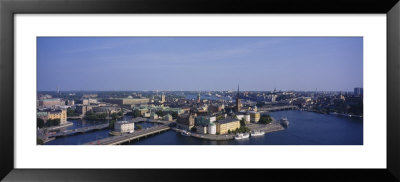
[[8, 8]]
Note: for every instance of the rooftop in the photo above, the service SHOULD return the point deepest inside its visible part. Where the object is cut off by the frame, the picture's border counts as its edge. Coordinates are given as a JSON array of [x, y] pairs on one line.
[[227, 120]]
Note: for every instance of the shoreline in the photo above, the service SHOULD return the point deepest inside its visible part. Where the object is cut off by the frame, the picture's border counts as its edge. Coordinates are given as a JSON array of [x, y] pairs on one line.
[[267, 128]]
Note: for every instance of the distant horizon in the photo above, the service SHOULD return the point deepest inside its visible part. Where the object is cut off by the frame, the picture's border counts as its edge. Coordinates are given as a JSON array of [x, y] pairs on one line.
[[197, 90], [195, 63]]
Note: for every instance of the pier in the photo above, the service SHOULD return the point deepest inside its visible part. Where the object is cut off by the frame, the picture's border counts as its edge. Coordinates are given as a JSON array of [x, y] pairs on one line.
[[116, 140]]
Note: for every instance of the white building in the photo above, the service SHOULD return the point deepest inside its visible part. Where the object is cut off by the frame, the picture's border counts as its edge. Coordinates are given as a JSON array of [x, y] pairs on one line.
[[247, 118], [213, 119], [124, 127], [212, 129], [167, 117], [153, 116]]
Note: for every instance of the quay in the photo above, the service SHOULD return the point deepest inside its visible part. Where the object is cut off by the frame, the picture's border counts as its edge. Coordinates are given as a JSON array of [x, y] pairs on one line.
[[278, 108], [208, 136], [267, 128], [58, 127], [116, 140], [79, 130]]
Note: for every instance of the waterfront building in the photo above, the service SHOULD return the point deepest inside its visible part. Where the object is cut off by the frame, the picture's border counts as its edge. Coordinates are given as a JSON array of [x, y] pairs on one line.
[[58, 114], [153, 116], [146, 115], [204, 120], [82, 109], [186, 121], [254, 116], [167, 117], [47, 114], [225, 125], [41, 114], [212, 129], [124, 126], [238, 103], [51, 102], [202, 129], [105, 109]]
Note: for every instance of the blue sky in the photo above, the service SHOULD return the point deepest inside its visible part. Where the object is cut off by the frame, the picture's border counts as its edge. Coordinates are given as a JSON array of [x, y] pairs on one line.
[[199, 63]]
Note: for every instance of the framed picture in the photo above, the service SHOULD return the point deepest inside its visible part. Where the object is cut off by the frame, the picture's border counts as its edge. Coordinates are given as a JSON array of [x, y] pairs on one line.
[[150, 90]]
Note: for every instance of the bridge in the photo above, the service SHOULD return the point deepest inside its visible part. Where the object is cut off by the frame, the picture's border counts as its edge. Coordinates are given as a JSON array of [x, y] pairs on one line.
[[140, 119], [278, 108], [116, 140], [76, 117], [79, 130]]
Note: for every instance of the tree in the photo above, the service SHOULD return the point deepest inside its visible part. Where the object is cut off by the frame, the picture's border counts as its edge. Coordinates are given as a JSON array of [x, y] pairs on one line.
[[40, 123], [136, 113], [229, 131], [160, 113], [111, 124], [71, 112], [52, 122], [194, 129], [39, 141], [242, 122], [174, 115], [139, 127], [265, 119]]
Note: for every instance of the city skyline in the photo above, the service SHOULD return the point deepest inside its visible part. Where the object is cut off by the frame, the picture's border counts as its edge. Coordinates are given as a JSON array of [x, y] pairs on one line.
[[199, 63]]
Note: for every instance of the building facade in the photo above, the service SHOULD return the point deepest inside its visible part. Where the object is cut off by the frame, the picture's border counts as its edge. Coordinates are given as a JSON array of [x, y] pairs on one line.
[[254, 117], [167, 117], [60, 114], [212, 129], [128, 101], [226, 125], [186, 121], [124, 127], [51, 102]]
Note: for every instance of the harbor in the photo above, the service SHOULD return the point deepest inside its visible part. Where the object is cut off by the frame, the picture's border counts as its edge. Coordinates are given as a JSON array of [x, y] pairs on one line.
[[302, 130]]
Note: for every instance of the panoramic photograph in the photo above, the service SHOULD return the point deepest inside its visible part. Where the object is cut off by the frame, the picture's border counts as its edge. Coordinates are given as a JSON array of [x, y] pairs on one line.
[[199, 91]]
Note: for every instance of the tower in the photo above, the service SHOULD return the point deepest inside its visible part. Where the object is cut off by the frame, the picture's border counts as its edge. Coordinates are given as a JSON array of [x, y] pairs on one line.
[[238, 101], [162, 98], [198, 98]]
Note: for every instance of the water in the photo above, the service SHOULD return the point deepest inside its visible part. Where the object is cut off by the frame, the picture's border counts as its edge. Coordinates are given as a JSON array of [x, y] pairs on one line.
[[305, 128], [207, 97], [79, 138]]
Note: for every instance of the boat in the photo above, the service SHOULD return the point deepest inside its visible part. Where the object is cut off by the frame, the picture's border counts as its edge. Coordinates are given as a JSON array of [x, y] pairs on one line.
[[284, 122], [257, 133], [186, 133], [240, 136]]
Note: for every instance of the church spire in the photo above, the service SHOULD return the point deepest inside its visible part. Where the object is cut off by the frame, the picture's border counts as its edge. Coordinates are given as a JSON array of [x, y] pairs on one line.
[[238, 101], [238, 91]]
